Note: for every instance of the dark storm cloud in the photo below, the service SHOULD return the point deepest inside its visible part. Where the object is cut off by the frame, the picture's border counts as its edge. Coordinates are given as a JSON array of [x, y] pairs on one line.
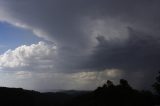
[[139, 51], [61, 19], [93, 34], [138, 57]]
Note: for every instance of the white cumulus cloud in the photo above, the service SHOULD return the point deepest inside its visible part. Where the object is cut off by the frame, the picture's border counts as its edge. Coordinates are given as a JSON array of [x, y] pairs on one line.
[[33, 56]]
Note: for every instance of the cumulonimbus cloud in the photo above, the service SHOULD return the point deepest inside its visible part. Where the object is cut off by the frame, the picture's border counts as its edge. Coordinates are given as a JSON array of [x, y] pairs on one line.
[[89, 35]]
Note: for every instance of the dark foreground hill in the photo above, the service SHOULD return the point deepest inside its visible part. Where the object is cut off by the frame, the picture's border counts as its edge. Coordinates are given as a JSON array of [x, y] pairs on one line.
[[107, 95], [21, 97]]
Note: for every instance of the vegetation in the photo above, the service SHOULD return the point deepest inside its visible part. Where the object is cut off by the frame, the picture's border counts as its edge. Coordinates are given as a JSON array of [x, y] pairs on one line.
[[116, 95], [156, 85]]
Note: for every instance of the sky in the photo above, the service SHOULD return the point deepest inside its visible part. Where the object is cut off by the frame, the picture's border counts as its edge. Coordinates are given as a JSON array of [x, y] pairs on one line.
[[78, 44]]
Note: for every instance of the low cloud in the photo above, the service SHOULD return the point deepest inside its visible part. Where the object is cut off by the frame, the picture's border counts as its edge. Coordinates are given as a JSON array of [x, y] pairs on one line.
[[23, 75], [80, 80]]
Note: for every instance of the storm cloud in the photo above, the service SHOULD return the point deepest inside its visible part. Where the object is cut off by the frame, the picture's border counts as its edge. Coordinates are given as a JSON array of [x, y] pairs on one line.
[[91, 35]]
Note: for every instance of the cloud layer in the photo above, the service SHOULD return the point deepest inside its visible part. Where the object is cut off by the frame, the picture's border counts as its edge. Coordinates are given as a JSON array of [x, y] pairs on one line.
[[86, 36]]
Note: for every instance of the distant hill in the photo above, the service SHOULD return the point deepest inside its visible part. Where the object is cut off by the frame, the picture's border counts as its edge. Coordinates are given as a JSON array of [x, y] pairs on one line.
[[21, 97], [75, 92]]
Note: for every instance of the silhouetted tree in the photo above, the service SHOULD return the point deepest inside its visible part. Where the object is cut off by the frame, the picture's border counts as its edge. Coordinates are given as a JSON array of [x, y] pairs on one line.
[[109, 83], [104, 86], [156, 85], [124, 83]]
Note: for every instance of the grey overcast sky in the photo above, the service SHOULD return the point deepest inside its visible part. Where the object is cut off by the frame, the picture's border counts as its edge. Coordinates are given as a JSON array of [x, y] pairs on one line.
[[78, 44]]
